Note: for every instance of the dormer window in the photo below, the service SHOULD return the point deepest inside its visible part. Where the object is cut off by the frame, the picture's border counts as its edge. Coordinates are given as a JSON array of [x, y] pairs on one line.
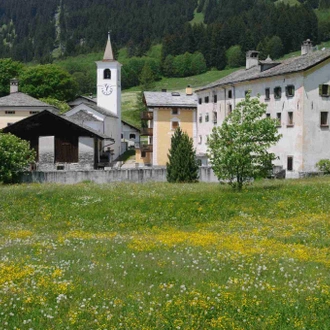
[[107, 74]]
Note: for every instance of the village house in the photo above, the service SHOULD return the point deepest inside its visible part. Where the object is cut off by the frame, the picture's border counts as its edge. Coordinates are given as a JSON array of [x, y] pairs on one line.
[[297, 94], [130, 134], [166, 112], [17, 106]]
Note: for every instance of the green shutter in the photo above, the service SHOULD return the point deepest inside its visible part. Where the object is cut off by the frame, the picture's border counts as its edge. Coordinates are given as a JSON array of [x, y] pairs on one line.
[[320, 90]]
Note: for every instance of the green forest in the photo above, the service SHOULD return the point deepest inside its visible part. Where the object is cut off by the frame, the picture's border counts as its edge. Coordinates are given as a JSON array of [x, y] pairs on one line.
[[44, 31]]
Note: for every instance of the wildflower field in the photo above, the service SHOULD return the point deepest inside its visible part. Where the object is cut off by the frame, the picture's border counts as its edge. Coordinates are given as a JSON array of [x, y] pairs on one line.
[[165, 256]]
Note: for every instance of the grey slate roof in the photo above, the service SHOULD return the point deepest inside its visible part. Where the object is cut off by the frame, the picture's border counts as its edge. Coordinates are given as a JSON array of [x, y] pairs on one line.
[[166, 99], [83, 115], [21, 100], [100, 110], [291, 65]]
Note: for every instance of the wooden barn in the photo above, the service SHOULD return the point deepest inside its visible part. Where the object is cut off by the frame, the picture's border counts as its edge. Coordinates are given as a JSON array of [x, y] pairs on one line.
[[62, 143]]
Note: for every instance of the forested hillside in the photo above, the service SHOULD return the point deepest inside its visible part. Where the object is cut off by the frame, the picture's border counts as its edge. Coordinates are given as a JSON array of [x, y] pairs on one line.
[[40, 31], [33, 29]]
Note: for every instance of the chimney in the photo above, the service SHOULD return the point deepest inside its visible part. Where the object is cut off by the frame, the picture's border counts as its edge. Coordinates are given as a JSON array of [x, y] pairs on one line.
[[189, 90], [13, 85], [252, 59], [306, 47]]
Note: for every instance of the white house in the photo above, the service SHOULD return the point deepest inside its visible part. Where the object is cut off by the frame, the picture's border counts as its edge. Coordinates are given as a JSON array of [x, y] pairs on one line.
[[297, 94]]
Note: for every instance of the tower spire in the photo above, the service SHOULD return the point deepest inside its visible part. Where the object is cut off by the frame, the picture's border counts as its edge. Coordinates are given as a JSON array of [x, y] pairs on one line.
[[108, 53]]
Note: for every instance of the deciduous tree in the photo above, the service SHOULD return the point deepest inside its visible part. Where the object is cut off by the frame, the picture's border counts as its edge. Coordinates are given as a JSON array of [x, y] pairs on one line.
[[239, 148], [15, 155]]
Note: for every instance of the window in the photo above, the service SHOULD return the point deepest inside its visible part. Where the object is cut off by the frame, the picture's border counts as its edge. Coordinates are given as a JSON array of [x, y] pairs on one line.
[[324, 90], [143, 154], [215, 98], [207, 117], [246, 93], [200, 118], [267, 115], [324, 119], [267, 93], [175, 111], [289, 90], [277, 92], [9, 112], [132, 136], [200, 139], [33, 112], [215, 117], [279, 119], [175, 125], [122, 135], [206, 99], [289, 166], [200, 101], [230, 94], [290, 119], [107, 74], [230, 109]]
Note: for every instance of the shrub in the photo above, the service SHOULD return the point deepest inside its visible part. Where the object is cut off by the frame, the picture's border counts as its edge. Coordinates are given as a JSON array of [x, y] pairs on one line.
[[324, 166], [15, 155]]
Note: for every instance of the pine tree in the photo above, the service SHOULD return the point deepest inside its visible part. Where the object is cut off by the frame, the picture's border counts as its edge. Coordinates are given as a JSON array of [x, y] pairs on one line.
[[182, 165]]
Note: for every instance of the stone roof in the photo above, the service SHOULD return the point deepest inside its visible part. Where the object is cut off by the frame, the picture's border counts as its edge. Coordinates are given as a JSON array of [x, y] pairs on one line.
[[170, 99], [291, 65], [83, 115], [22, 100], [100, 110]]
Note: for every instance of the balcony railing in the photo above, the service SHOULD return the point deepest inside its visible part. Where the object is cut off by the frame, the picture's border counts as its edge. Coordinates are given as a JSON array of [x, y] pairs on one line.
[[146, 132], [144, 147], [147, 115]]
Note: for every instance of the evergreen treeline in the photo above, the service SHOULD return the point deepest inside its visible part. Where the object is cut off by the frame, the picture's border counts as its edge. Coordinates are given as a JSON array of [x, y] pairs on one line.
[[248, 24], [33, 29]]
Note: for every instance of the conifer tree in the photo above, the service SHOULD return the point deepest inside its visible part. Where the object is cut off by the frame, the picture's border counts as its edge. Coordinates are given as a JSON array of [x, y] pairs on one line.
[[182, 165]]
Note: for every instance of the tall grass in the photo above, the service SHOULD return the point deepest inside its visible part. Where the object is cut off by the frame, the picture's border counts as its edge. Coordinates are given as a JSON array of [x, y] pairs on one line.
[[200, 256]]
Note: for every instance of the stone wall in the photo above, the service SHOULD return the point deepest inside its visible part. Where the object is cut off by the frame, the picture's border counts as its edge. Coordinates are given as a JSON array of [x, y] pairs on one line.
[[138, 175]]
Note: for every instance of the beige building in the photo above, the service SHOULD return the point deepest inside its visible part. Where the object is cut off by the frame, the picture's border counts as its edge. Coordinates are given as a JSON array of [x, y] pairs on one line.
[[17, 106], [166, 112]]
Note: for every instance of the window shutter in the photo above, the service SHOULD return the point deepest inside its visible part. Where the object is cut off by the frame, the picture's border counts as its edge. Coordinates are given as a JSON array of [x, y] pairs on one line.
[[286, 91], [328, 90], [320, 90]]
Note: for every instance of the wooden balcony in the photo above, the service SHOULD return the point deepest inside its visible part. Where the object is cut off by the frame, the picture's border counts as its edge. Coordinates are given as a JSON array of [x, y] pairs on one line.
[[146, 132], [144, 147], [147, 115]]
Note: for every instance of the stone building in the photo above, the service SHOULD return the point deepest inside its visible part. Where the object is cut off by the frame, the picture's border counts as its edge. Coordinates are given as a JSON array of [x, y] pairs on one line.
[[297, 94]]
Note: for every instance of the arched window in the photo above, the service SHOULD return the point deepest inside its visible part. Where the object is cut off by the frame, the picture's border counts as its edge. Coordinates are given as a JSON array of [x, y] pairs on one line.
[[107, 74], [132, 136]]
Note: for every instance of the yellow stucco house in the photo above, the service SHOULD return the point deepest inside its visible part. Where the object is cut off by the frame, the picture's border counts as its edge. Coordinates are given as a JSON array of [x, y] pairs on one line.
[[17, 106], [166, 112]]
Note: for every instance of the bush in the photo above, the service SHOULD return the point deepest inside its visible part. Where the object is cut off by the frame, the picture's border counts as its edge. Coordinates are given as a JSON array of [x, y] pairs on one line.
[[15, 155], [324, 166]]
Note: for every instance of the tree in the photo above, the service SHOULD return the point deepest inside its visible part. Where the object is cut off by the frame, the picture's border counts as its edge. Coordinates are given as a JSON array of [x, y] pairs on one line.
[[8, 69], [15, 155], [48, 81], [238, 149], [181, 165], [61, 105], [235, 56]]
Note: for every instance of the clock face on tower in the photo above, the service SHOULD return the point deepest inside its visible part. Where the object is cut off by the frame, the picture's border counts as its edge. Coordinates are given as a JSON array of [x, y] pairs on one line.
[[106, 89]]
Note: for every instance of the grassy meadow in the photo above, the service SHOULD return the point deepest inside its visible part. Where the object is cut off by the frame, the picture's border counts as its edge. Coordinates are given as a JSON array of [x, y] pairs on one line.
[[166, 256]]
